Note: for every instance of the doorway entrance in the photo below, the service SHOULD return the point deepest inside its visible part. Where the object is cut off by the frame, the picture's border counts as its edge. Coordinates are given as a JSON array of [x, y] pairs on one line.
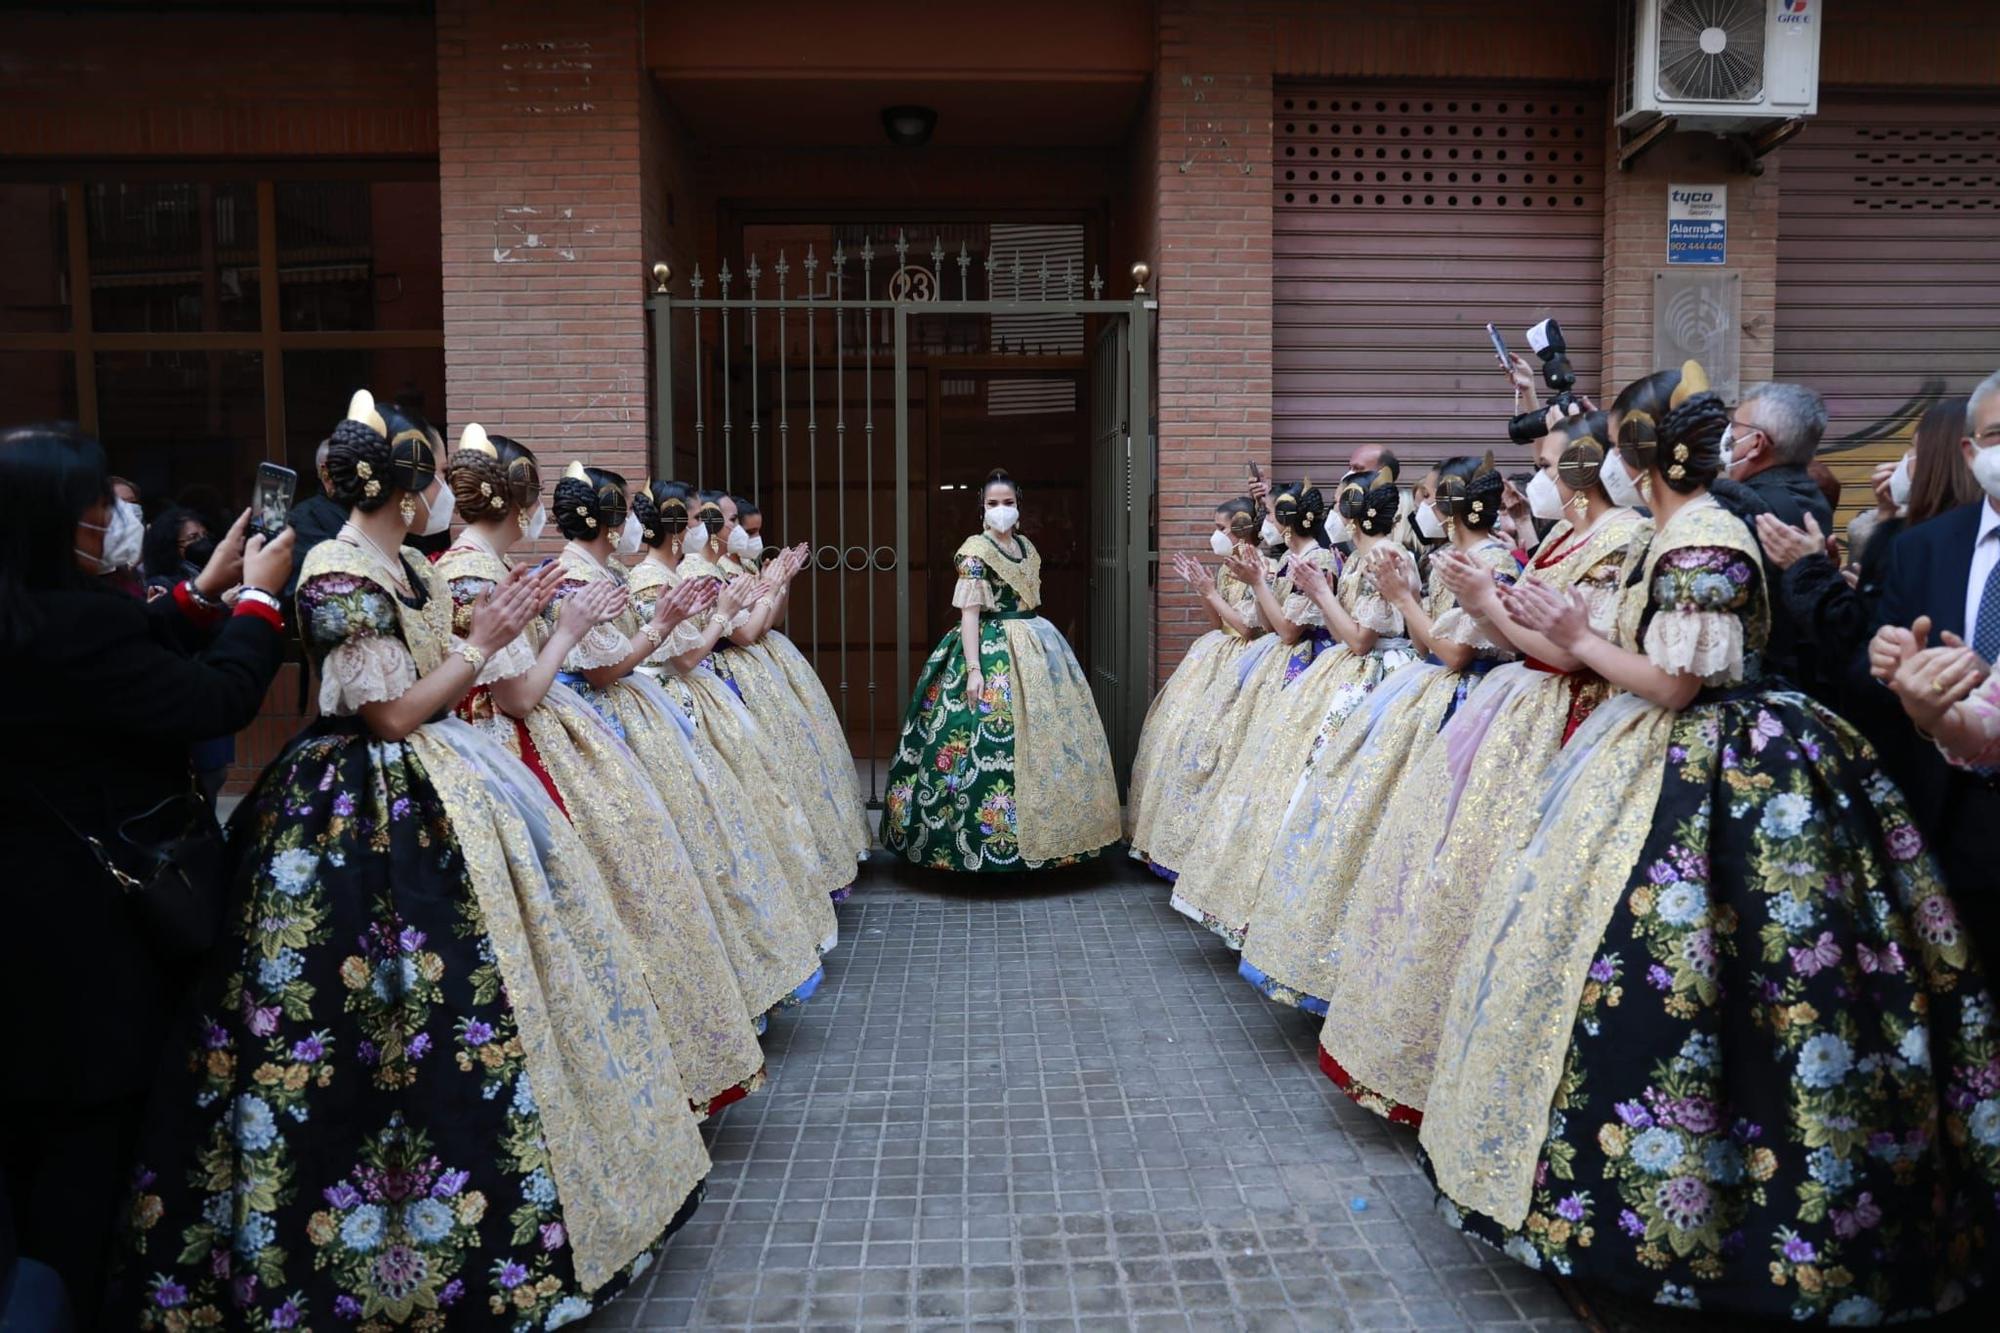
[[861, 393]]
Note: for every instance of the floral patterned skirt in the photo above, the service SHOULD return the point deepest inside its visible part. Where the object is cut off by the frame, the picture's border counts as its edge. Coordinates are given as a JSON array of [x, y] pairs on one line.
[[951, 797], [1781, 1094], [352, 1140]]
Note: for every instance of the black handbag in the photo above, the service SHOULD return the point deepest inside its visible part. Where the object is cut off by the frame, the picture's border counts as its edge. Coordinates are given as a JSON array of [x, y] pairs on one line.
[[175, 880]]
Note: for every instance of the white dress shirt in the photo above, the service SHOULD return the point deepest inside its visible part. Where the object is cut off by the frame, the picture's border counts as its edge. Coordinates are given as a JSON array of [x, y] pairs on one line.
[[1985, 554]]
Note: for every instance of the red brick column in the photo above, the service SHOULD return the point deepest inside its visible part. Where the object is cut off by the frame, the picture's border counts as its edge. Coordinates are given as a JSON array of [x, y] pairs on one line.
[[539, 111], [1209, 134], [1635, 248]]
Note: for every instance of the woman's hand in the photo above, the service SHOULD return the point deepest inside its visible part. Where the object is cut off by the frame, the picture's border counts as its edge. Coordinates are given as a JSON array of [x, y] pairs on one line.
[[1521, 374], [224, 569], [688, 598], [1878, 482], [1191, 573], [1469, 582], [1932, 681], [1563, 618], [589, 607], [1246, 565], [1308, 580], [504, 610], [1785, 545], [1394, 577], [267, 562], [975, 687]]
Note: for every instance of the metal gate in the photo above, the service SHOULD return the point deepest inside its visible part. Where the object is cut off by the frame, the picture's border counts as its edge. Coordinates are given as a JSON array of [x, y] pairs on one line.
[[791, 383]]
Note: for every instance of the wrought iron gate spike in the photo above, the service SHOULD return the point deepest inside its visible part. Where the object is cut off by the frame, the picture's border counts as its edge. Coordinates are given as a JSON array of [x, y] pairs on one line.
[[1096, 283]]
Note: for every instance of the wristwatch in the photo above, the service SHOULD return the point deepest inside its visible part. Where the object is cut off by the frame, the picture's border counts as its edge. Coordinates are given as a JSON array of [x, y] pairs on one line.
[[202, 599]]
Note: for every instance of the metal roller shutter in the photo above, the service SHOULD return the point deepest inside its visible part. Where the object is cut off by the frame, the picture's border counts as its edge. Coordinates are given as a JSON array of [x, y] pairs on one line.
[[1888, 267], [1404, 220]]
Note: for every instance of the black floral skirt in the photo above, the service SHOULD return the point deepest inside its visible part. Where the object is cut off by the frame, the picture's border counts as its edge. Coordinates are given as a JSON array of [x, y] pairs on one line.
[[1782, 1093], [350, 1139]]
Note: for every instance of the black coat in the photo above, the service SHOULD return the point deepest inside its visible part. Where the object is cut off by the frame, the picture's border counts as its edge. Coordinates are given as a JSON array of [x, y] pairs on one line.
[[1789, 494], [98, 714]]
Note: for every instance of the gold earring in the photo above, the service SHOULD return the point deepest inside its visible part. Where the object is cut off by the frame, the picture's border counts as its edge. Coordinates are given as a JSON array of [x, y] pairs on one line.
[[408, 507], [521, 519]]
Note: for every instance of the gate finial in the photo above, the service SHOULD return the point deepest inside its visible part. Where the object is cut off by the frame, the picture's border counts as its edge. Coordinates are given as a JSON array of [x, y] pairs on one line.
[[1140, 272], [663, 273]]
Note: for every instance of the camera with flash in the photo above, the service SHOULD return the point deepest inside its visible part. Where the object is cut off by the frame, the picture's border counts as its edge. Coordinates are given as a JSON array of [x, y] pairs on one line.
[[1546, 339]]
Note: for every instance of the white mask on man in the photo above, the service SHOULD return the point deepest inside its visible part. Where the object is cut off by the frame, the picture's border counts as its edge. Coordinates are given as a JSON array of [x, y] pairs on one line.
[[437, 513], [1986, 470], [1727, 447], [1544, 500], [1618, 483], [1002, 518], [628, 537], [1218, 542], [1899, 482], [536, 522], [1428, 523]]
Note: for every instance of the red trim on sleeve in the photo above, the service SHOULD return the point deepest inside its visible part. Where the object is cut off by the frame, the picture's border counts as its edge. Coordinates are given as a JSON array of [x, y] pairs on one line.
[[263, 613], [184, 599]]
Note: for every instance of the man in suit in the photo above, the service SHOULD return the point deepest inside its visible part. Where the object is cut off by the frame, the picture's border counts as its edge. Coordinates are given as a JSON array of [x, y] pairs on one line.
[[1943, 578]]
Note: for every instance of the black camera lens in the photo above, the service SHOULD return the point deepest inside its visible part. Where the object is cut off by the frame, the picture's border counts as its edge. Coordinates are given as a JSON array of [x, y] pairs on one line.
[[1529, 426]]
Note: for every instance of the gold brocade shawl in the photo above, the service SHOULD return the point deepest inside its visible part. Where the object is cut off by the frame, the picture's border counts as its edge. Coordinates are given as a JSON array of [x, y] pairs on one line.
[[1514, 1001], [1024, 575], [623, 1147]]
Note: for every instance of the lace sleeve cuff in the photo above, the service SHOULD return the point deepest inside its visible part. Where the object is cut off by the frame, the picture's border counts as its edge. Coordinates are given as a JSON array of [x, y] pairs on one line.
[[973, 594], [1708, 644], [685, 637], [367, 670], [1371, 611], [1602, 597], [605, 645], [1461, 627]]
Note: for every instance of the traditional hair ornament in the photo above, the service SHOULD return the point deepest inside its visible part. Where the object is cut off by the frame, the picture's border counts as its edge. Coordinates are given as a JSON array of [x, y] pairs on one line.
[[361, 408], [524, 479], [1639, 439], [474, 440], [1694, 380]]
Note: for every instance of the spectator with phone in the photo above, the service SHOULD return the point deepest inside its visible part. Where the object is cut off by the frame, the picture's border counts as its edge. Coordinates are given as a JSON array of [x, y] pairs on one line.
[[106, 693]]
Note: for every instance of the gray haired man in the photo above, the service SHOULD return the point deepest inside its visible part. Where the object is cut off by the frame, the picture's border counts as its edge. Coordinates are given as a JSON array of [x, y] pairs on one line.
[[1772, 436]]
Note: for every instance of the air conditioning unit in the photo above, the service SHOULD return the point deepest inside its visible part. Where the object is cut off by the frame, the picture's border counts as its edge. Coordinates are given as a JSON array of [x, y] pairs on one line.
[[1719, 65]]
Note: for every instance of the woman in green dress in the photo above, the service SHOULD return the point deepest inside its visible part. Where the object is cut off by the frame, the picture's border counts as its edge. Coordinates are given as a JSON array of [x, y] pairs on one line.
[[1002, 764]]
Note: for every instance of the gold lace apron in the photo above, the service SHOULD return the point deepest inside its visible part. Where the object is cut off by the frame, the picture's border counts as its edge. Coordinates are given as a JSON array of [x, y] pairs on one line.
[[1513, 1002], [1405, 924], [623, 1147]]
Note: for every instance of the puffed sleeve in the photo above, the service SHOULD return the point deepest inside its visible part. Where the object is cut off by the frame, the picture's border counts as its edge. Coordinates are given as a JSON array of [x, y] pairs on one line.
[[1241, 598], [353, 620], [1370, 609], [972, 591], [1700, 595], [604, 645], [1982, 709]]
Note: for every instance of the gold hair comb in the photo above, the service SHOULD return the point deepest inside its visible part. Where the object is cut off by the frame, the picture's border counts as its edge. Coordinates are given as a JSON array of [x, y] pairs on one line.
[[473, 440]]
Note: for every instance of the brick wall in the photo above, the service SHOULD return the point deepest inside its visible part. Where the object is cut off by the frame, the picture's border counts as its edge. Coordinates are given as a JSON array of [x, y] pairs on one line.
[[242, 84], [544, 262], [1209, 129], [1635, 248]]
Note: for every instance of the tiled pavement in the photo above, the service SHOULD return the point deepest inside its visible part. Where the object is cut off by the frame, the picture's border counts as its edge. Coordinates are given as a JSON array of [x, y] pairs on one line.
[[1054, 1106]]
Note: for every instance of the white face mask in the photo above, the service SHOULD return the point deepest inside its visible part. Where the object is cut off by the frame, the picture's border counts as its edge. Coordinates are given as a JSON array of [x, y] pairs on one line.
[[1428, 522], [1002, 518], [1618, 483], [1986, 469], [628, 536], [1899, 481], [695, 538], [1336, 529], [1727, 446], [536, 522], [1219, 543], [437, 513], [123, 537], [1544, 500], [741, 544], [1269, 534]]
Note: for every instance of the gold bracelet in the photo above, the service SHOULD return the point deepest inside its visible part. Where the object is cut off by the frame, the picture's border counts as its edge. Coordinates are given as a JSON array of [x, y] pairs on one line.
[[474, 658], [651, 633]]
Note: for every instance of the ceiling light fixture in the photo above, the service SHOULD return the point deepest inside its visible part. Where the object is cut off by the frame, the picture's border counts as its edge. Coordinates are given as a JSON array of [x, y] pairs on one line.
[[909, 126]]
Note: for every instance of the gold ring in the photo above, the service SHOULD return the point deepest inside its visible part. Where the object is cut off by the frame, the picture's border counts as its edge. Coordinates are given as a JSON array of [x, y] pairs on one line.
[[1938, 685]]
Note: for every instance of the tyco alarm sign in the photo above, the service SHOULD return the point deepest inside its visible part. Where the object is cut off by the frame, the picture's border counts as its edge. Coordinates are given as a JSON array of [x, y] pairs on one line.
[[1697, 224]]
